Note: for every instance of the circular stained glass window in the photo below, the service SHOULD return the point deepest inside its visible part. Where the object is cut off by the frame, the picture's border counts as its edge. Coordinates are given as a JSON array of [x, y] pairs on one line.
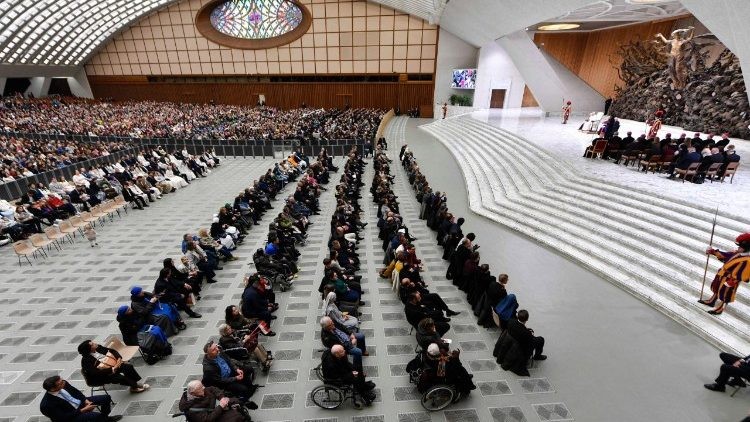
[[256, 19], [253, 23]]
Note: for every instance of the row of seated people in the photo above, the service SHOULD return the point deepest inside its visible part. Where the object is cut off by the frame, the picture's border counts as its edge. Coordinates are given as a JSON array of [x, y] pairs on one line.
[[149, 119], [486, 294], [24, 157], [670, 155], [425, 311], [341, 290], [228, 372], [228, 379], [138, 179]]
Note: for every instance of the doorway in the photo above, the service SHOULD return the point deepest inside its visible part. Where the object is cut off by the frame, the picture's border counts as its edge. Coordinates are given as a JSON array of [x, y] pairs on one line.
[[497, 100]]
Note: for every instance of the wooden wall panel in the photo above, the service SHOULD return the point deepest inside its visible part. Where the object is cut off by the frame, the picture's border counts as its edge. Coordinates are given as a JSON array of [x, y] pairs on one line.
[[528, 98], [282, 95], [593, 55]]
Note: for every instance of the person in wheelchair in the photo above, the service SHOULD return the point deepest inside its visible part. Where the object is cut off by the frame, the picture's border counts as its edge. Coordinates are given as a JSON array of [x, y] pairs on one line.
[[208, 404], [427, 334], [353, 343], [219, 370], [441, 366], [243, 344], [337, 370]]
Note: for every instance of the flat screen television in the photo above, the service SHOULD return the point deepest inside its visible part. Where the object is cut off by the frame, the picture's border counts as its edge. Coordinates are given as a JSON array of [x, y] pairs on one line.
[[464, 79]]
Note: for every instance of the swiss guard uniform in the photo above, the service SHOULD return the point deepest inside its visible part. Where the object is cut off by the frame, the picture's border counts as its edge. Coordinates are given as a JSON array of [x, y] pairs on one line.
[[736, 269]]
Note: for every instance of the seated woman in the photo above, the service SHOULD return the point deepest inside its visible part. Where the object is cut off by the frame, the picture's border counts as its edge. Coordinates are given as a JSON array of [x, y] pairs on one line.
[[330, 309], [247, 341], [146, 306], [427, 334], [444, 367], [101, 365]]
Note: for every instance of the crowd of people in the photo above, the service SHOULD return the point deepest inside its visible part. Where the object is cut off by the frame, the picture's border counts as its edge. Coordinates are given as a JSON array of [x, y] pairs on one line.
[[151, 317], [425, 311], [23, 157], [141, 178], [710, 157], [150, 119], [487, 295]]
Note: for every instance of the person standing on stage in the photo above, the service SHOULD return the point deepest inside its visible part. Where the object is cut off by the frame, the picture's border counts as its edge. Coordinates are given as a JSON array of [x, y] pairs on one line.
[[736, 268], [445, 110], [656, 125], [567, 108]]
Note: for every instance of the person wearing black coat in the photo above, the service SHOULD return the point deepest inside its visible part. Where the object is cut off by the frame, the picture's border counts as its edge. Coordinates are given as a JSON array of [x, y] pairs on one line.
[[221, 372], [336, 366], [110, 370], [683, 162], [64, 403], [416, 311], [525, 336], [172, 290], [496, 291]]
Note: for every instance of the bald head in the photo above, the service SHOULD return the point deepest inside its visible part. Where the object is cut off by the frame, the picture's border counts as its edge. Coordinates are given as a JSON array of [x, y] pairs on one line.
[[338, 351]]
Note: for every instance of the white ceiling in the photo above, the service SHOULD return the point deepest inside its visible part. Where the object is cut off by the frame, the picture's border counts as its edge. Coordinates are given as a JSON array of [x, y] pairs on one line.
[[68, 32]]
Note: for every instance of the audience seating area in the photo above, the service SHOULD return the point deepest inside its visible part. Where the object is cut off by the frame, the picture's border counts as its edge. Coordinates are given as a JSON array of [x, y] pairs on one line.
[[654, 257]]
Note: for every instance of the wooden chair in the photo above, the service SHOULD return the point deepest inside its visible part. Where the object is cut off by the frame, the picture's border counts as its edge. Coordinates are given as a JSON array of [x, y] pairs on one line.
[[67, 229], [121, 203], [24, 248], [597, 149], [630, 157], [730, 171], [127, 352], [691, 171], [666, 161], [713, 170], [54, 235], [88, 217], [109, 208], [653, 163], [39, 241]]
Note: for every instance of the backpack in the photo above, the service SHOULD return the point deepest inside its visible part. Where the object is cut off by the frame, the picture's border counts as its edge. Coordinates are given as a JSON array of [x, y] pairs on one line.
[[154, 344]]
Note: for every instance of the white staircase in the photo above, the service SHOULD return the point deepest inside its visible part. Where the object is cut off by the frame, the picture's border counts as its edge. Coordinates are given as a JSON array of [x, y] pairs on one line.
[[650, 246]]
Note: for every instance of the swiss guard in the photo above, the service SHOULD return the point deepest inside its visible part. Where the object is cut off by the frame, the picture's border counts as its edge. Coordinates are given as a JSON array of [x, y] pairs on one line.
[[736, 269]]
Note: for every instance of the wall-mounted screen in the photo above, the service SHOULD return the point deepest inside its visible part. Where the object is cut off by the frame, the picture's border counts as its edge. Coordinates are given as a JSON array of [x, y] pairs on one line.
[[464, 79]]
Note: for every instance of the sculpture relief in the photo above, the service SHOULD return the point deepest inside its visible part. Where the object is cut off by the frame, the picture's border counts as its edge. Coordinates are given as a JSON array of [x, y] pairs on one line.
[[678, 69]]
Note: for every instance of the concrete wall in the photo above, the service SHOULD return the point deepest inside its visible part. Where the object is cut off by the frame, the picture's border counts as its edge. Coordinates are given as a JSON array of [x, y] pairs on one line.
[[39, 86], [453, 53], [497, 71], [79, 85], [549, 81]]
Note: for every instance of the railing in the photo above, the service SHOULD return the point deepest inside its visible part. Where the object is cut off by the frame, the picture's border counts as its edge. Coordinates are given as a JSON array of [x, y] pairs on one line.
[[222, 147]]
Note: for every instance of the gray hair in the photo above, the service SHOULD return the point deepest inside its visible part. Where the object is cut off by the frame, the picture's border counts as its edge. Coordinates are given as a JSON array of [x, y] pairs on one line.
[[224, 329], [193, 386], [325, 321]]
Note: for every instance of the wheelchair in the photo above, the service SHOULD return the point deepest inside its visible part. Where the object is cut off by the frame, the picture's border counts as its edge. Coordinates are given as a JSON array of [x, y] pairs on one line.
[[333, 393], [437, 396]]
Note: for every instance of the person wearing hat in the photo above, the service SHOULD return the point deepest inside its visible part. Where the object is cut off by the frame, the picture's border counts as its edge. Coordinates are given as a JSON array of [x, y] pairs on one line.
[[656, 125], [102, 365], [736, 269], [567, 109], [146, 306]]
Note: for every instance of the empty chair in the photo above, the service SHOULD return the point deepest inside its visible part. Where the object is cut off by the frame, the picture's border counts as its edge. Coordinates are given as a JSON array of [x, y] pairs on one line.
[[653, 163], [67, 229], [78, 223], [691, 171], [54, 235], [24, 248], [731, 169], [39, 241], [88, 217]]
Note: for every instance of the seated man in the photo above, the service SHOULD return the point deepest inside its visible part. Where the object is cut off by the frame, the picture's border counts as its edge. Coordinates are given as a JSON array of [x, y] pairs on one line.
[[246, 343], [254, 302], [354, 343], [64, 403], [683, 162], [101, 365], [416, 311], [219, 371], [204, 404], [525, 336], [336, 367], [734, 367]]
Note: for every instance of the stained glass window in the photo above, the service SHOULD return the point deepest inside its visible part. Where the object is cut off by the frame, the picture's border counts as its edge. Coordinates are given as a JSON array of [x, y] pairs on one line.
[[256, 19]]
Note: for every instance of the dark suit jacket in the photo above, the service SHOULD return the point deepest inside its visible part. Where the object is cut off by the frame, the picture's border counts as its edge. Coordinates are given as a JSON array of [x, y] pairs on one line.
[[522, 335], [689, 158], [337, 368], [58, 409]]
